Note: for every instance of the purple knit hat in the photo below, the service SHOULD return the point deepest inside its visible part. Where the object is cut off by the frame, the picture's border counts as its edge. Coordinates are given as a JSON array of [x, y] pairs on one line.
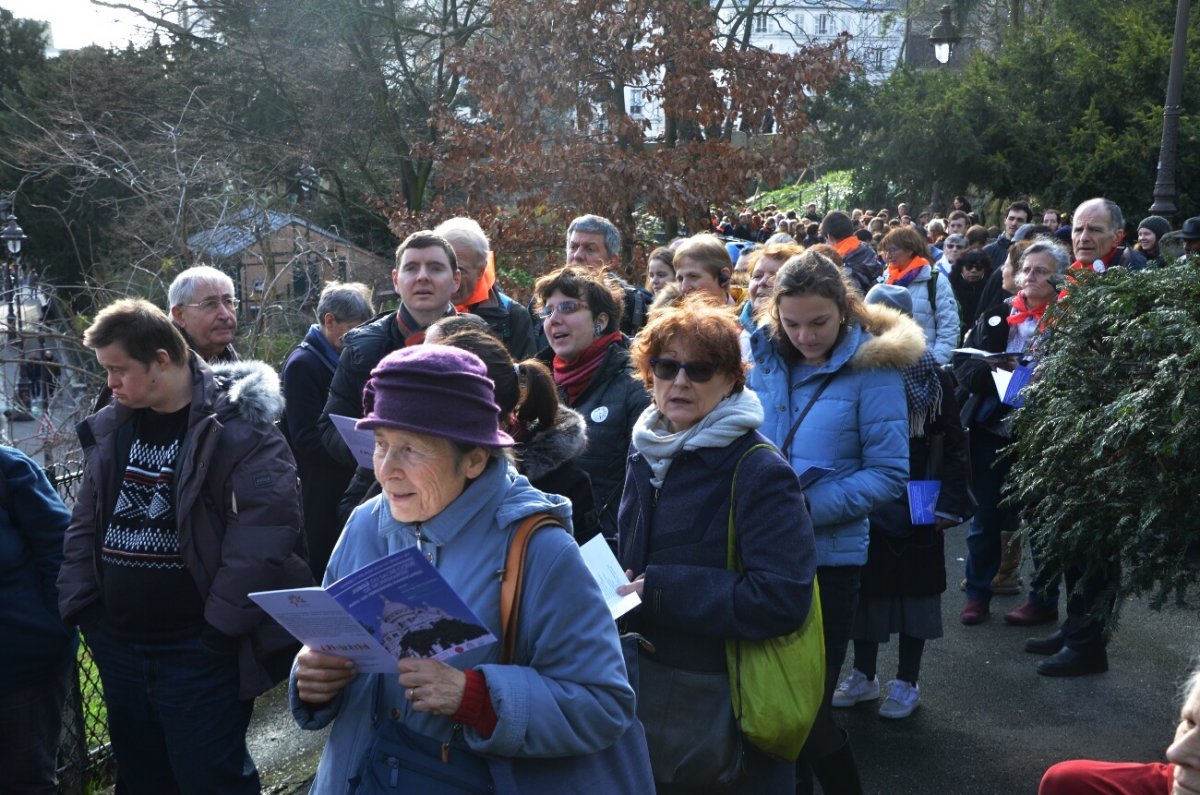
[[436, 390]]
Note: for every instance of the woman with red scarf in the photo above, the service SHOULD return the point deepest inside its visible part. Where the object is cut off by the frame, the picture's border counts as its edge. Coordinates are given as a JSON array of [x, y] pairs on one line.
[[1012, 327], [589, 358]]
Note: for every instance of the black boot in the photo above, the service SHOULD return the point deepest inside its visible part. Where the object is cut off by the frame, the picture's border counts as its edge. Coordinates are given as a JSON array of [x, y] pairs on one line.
[[837, 773], [804, 777]]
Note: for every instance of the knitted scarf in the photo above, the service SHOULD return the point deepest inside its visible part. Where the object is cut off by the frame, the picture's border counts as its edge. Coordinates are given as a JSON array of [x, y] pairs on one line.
[[575, 375], [903, 276], [729, 420], [321, 347], [923, 390]]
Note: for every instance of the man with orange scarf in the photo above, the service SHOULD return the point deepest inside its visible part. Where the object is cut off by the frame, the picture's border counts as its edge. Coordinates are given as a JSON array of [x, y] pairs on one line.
[[858, 259], [477, 292]]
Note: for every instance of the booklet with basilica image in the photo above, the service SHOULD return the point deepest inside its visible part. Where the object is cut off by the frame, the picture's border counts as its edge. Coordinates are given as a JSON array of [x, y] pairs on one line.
[[397, 606]]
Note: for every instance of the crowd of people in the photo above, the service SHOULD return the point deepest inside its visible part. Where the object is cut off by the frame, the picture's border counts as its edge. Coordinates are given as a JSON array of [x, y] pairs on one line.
[[821, 388]]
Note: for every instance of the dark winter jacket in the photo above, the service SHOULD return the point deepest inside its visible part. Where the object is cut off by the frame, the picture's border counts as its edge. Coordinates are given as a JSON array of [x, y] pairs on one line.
[[510, 322], [237, 505], [677, 536], [908, 560], [862, 266], [548, 459], [362, 348], [979, 405], [38, 645], [323, 479], [610, 405]]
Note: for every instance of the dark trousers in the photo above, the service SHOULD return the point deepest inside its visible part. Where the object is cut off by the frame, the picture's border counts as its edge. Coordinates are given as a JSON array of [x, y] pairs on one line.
[[30, 727], [1083, 630], [983, 539], [176, 722], [839, 600]]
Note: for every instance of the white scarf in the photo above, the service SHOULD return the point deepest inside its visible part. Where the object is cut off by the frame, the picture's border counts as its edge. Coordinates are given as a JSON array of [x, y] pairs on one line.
[[729, 420]]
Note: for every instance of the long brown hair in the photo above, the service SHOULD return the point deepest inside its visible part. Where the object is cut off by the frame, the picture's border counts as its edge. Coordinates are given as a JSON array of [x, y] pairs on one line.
[[811, 273]]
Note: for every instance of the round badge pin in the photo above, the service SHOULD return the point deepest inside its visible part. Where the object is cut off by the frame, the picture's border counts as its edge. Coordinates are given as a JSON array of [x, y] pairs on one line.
[[1098, 266], [600, 414], [994, 320]]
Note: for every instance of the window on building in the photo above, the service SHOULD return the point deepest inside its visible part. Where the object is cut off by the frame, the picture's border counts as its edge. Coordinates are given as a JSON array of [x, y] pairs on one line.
[[636, 103], [760, 23], [875, 64], [824, 24]]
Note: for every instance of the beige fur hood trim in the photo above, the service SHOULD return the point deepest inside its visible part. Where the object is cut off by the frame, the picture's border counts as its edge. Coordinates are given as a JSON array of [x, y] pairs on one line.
[[896, 343]]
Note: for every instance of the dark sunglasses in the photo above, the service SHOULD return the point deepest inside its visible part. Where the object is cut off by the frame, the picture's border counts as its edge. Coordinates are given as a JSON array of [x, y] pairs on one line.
[[954, 246], [973, 266], [668, 369]]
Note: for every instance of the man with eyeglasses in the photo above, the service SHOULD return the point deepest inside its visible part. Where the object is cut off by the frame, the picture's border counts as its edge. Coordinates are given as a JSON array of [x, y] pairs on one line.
[[952, 246], [204, 308], [425, 277]]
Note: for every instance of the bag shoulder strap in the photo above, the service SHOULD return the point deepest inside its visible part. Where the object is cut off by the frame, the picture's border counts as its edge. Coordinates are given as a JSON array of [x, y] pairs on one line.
[[732, 559], [786, 448], [512, 581]]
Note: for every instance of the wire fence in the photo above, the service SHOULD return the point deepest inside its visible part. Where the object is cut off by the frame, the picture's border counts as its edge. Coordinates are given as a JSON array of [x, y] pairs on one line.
[[85, 761]]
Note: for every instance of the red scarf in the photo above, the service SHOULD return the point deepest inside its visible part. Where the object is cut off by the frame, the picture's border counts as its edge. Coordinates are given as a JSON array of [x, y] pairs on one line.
[[902, 276], [574, 376], [1021, 312], [1105, 262]]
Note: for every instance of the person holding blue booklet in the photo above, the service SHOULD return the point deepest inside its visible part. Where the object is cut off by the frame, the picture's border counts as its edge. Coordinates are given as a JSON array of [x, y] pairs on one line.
[[827, 369], [905, 573], [449, 488]]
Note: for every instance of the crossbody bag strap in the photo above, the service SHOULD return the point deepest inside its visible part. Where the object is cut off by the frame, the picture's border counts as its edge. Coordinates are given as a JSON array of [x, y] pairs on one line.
[[786, 447], [733, 560], [512, 581]]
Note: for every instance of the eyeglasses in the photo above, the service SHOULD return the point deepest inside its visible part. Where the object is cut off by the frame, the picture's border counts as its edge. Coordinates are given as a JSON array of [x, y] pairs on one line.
[[893, 250], [210, 305], [563, 308], [973, 266], [954, 246], [668, 369]]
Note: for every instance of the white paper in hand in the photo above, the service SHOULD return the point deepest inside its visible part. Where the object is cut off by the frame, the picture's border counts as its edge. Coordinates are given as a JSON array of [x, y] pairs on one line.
[[603, 565]]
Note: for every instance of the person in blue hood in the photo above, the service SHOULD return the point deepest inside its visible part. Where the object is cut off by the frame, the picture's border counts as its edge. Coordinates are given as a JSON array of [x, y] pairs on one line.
[[449, 488], [827, 369]]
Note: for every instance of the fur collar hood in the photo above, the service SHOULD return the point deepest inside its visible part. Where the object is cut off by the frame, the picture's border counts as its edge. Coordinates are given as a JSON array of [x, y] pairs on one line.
[[552, 447], [251, 388], [895, 341]]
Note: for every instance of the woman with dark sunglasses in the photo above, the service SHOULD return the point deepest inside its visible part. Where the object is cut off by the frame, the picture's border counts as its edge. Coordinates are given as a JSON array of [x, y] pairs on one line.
[[674, 525], [968, 276], [589, 358], [828, 371]]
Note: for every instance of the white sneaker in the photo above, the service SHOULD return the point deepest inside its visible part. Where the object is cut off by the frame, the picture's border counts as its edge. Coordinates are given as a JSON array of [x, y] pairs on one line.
[[901, 700], [855, 688]]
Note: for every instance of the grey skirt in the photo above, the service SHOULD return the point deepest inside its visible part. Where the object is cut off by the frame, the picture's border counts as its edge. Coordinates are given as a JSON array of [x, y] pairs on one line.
[[880, 617]]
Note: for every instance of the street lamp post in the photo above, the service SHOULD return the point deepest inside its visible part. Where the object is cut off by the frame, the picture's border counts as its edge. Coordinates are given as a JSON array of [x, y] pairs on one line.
[[13, 237], [944, 37], [1164, 183]]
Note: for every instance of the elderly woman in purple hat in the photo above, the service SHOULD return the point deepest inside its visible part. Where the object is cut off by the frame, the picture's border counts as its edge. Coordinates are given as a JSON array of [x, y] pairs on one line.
[[449, 489]]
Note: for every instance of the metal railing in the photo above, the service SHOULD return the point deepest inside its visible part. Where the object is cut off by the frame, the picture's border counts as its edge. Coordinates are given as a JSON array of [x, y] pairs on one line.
[[84, 754]]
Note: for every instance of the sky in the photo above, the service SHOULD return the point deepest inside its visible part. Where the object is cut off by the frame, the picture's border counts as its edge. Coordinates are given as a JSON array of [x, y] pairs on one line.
[[77, 23]]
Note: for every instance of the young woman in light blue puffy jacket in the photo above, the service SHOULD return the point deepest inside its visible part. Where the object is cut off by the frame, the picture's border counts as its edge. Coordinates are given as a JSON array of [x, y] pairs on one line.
[[827, 370]]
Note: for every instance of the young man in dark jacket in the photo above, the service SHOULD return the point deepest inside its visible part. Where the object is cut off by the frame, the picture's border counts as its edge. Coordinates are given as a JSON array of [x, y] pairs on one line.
[[189, 502]]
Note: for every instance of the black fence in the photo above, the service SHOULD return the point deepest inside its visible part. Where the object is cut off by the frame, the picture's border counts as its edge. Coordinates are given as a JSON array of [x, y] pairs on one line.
[[84, 754]]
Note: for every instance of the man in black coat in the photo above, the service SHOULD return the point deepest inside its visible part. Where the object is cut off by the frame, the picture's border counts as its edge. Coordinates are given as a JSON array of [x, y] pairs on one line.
[[307, 374]]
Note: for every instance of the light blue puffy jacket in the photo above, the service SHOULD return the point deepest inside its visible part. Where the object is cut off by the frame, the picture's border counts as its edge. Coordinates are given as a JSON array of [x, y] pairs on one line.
[[858, 426], [940, 323], [572, 698]]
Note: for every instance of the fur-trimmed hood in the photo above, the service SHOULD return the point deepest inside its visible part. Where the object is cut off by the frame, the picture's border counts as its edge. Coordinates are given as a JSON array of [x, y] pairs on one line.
[[252, 389], [895, 341], [552, 447]]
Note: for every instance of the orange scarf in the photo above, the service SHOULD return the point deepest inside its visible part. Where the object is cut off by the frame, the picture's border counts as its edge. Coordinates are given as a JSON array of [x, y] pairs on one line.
[[486, 280], [902, 276], [846, 245]]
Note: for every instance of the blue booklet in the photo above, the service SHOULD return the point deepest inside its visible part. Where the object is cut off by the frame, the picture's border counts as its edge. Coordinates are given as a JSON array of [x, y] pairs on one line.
[[922, 500], [397, 606], [812, 475]]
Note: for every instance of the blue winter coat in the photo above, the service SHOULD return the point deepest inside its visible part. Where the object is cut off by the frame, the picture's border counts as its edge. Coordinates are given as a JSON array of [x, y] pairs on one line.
[[33, 520], [573, 695], [940, 323], [858, 427], [677, 536]]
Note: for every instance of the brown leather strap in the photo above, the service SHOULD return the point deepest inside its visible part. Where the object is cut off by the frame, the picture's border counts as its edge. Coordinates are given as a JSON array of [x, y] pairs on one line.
[[512, 581]]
